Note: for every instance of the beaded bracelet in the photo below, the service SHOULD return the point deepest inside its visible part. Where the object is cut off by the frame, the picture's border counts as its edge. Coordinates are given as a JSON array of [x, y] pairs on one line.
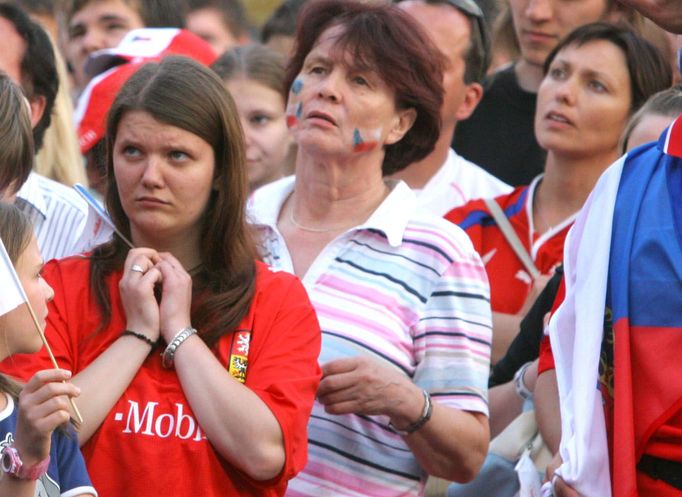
[[140, 336]]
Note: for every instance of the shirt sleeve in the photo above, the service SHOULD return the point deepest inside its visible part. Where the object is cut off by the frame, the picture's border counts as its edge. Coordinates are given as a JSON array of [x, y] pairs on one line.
[[546, 361], [453, 337], [283, 369], [73, 477]]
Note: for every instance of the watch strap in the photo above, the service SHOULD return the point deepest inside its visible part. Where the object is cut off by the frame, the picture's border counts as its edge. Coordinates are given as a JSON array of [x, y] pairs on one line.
[[14, 466]]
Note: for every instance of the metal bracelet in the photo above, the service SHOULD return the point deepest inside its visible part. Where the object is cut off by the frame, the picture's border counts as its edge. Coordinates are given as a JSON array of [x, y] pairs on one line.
[[519, 383], [168, 355], [426, 415]]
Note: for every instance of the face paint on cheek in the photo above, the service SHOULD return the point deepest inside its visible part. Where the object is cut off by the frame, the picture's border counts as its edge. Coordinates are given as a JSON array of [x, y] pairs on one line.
[[294, 111], [295, 107], [366, 140], [297, 86]]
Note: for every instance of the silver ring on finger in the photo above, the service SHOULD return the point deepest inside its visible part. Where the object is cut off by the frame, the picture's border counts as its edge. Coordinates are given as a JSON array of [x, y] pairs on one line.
[[137, 268]]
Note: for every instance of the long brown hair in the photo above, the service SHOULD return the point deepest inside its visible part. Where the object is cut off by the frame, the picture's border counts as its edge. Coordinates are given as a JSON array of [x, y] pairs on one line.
[[16, 138], [182, 93], [15, 232]]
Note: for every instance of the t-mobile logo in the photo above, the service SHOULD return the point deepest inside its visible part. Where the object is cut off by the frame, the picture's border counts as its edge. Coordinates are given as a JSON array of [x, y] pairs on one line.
[[164, 425]]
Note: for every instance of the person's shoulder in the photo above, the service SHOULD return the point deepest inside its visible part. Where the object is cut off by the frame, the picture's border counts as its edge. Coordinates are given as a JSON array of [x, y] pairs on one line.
[[470, 174], [60, 194], [273, 279], [74, 268], [437, 233], [476, 211], [264, 203]]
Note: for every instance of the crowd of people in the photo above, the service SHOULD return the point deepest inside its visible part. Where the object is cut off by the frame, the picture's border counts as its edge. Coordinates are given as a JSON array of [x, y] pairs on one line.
[[343, 253]]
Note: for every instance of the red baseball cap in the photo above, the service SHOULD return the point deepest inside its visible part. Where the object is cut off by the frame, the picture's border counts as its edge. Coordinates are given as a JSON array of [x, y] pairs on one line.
[[151, 44], [138, 47]]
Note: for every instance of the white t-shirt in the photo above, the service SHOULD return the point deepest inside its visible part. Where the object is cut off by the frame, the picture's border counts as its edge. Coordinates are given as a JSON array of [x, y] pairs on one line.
[[456, 182]]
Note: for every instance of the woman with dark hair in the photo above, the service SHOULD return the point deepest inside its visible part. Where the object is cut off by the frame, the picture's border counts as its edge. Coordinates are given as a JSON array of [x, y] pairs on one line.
[[196, 363], [595, 79], [401, 296], [255, 74]]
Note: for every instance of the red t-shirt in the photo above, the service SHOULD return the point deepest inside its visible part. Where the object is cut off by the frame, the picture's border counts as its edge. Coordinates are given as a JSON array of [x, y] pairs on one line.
[[510, 283], [150, 442]]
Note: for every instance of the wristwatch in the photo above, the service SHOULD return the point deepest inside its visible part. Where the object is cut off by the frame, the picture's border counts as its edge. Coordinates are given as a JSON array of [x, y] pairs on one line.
[[427, 410], [11, 463], [520, 384]]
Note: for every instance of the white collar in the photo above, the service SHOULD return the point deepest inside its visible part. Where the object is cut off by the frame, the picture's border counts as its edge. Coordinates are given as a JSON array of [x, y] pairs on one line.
[[390, 218], [31, 193], [9, 408]]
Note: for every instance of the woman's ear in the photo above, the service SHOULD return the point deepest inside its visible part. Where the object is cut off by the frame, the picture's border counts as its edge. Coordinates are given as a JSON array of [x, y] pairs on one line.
[[404, 122]]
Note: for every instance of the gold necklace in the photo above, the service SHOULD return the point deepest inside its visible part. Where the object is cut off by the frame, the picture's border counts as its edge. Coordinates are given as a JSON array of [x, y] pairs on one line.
[[310, 228]]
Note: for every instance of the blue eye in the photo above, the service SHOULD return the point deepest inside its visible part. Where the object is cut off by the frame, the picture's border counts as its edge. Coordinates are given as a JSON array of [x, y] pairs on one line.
[[260, 119], [597, 86], [178, 155], [131, 151]]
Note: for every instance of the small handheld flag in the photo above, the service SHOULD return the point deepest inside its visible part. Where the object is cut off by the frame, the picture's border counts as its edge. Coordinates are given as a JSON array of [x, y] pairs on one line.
[[12, 296], [97, 215]]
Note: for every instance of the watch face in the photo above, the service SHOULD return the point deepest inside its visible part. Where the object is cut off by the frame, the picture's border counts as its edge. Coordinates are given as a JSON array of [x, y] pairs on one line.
[[7, 460]]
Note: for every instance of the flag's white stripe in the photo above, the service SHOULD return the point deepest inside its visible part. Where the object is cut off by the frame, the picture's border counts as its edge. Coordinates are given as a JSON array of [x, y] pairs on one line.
[[11, 292]]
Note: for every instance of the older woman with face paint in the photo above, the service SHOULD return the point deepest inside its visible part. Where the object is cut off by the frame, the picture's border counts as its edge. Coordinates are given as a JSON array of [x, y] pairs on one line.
[[401, 296]]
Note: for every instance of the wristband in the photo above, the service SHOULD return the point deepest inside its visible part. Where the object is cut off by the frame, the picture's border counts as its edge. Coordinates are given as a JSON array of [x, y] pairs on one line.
[[426, 415], [13, 465], [520, 385], [169, 354], [141, 336]]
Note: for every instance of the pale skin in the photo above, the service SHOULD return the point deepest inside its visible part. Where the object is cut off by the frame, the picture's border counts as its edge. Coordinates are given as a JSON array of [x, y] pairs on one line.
[[505, 403], [44, 401], [450, 31], [338, 188], [540, 24], [579, 96], [158, 161]]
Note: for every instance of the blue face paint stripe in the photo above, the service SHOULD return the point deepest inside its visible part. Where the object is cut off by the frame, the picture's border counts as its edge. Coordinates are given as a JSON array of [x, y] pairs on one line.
[[357, 139], [296, 86]]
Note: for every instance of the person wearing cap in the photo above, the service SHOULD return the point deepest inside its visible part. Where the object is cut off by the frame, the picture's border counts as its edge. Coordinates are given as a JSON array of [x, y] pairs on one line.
[[111, 68], [444, 180], [93, 25]]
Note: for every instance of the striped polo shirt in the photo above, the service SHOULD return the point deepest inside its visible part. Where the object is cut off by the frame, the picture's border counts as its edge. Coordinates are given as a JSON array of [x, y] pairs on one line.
[[408, 290], [58, 215]]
